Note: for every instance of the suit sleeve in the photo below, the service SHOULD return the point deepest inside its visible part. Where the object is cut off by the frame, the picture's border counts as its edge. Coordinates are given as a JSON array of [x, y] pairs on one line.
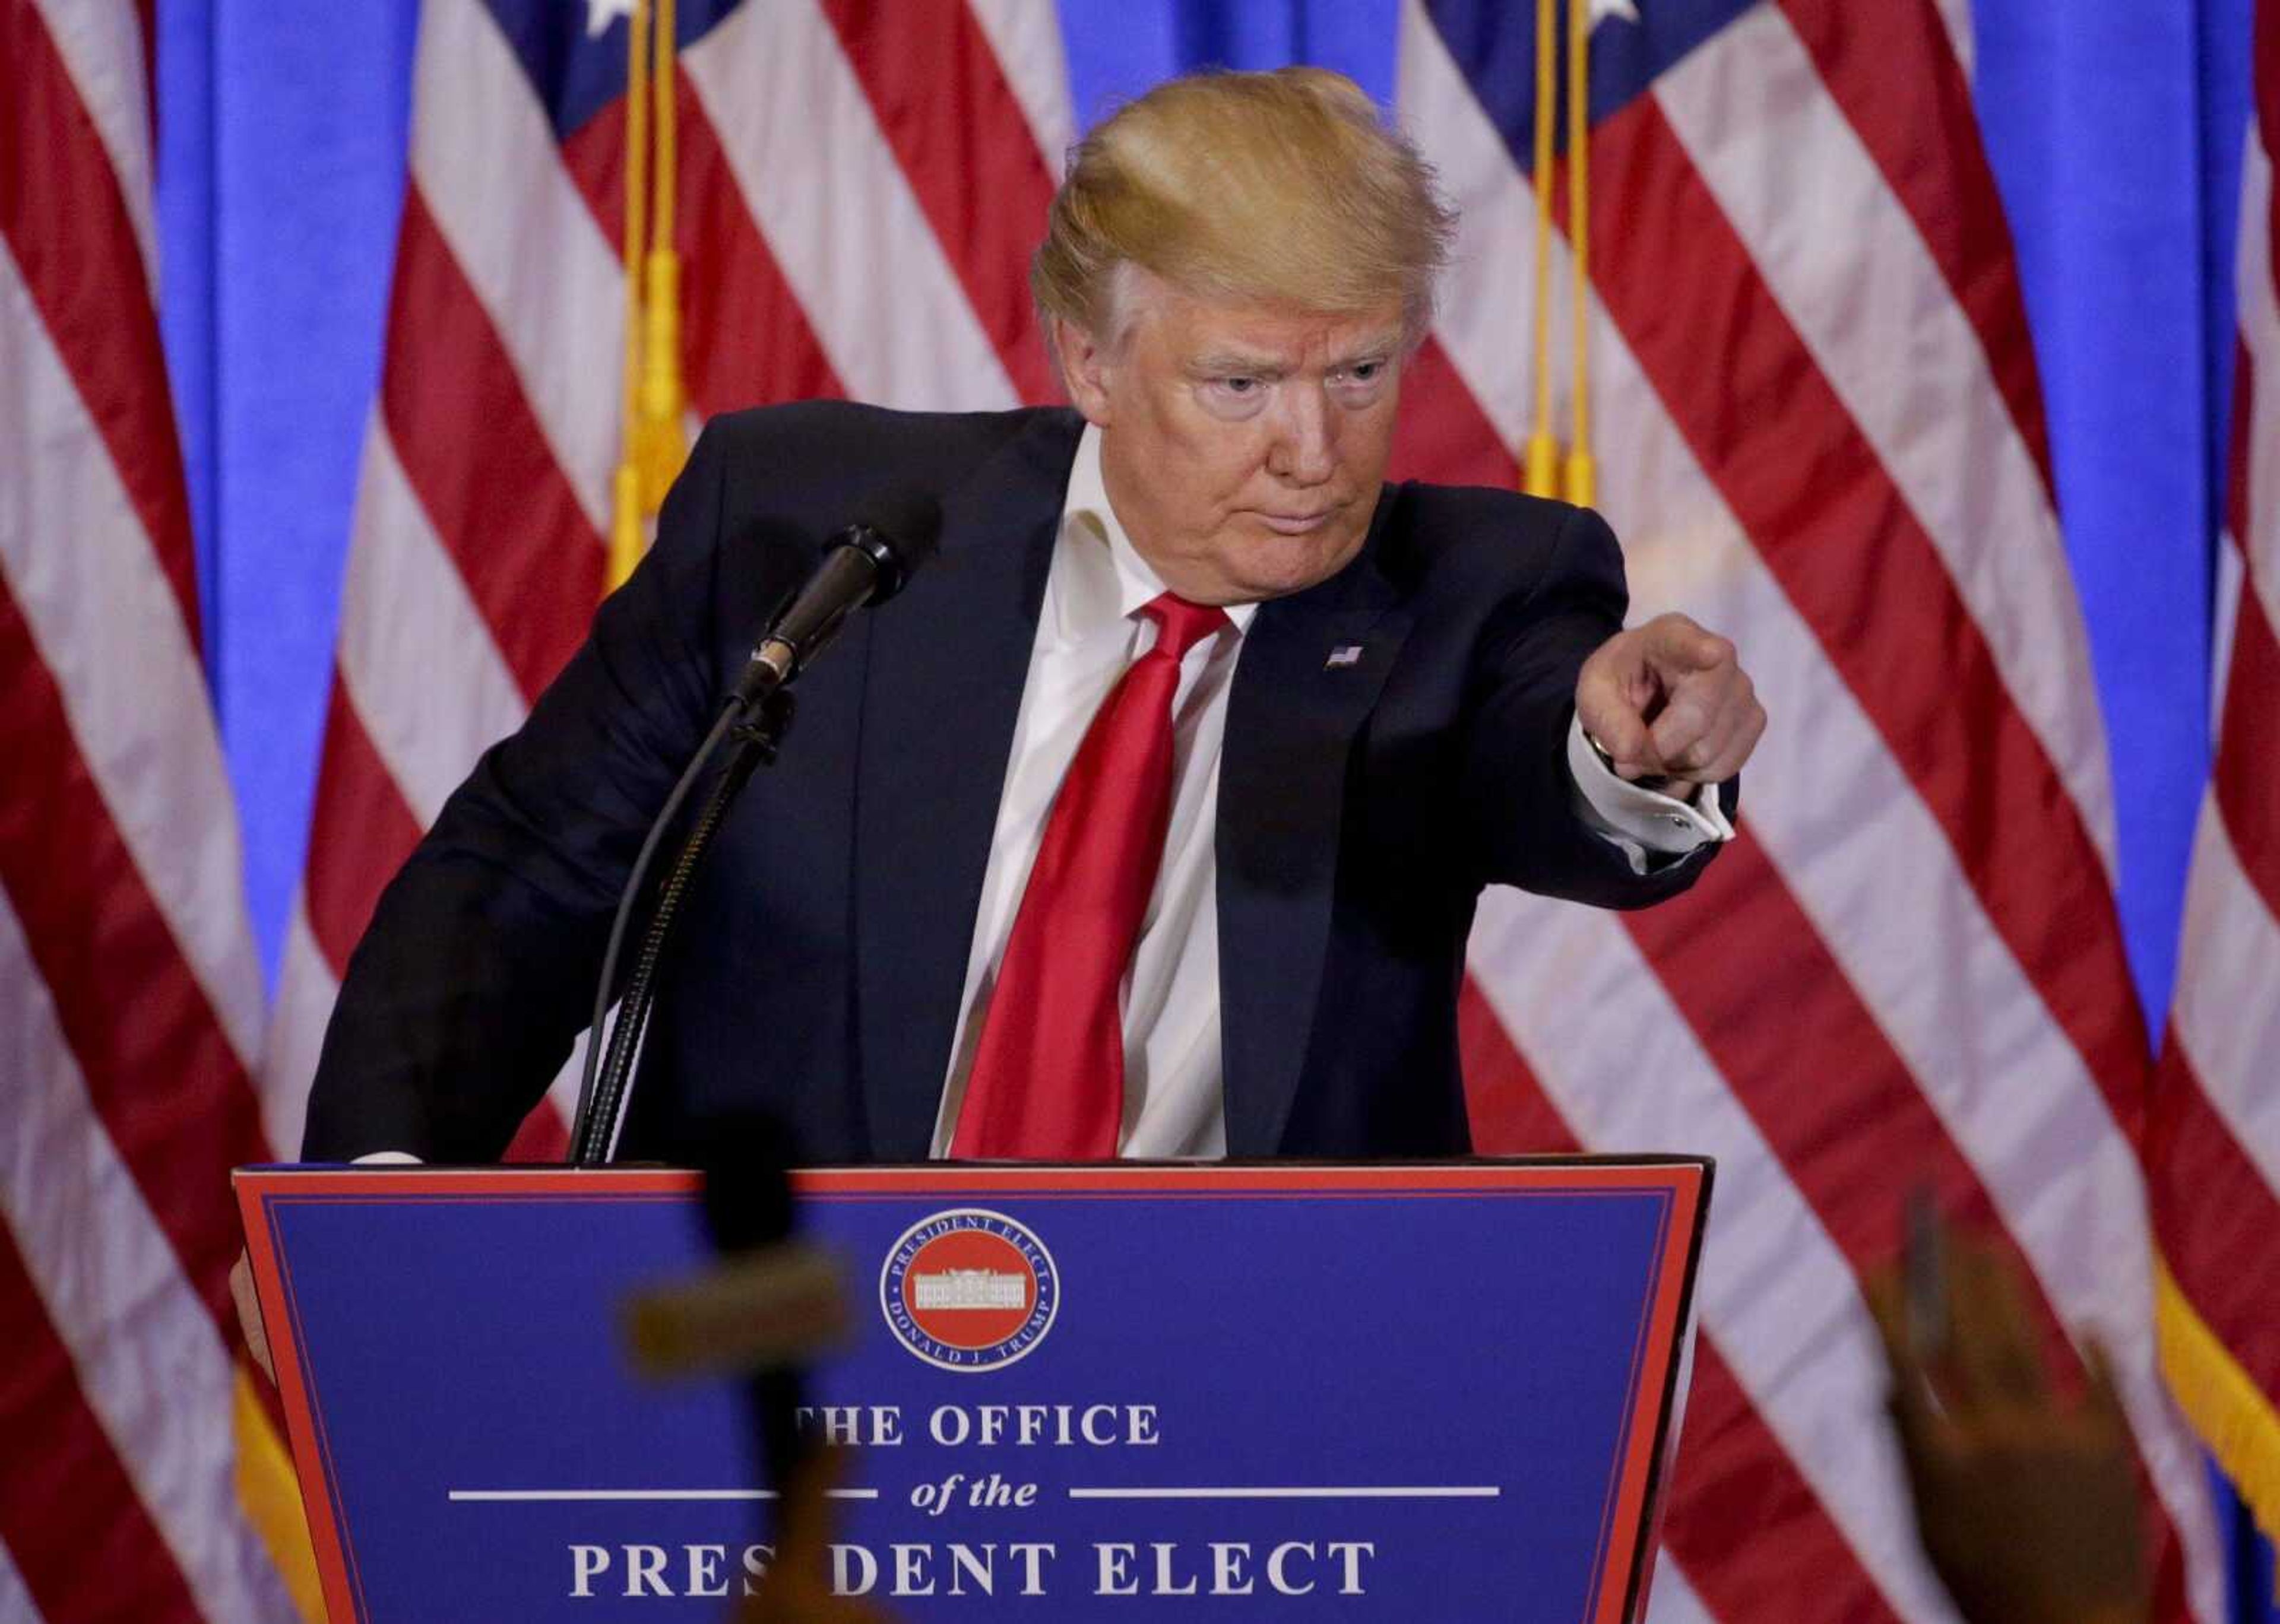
[[476, 975], [1518, 791]]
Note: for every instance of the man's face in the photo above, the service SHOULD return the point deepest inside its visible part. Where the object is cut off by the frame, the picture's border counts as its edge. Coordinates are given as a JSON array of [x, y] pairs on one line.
[[1243, 444]]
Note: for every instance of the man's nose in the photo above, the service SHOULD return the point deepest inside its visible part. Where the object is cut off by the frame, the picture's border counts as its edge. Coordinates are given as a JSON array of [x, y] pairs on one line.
[[1303, 450]]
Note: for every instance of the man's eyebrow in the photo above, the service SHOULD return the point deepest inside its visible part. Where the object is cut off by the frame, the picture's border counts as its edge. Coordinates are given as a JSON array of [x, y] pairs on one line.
[[1379, 348], [1219, 361]]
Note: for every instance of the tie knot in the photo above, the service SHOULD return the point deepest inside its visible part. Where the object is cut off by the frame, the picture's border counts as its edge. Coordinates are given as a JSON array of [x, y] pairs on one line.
[[1181, 624]]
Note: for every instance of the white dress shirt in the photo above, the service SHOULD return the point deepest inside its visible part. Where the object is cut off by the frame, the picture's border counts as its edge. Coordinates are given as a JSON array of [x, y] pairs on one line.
[[1090, 630]]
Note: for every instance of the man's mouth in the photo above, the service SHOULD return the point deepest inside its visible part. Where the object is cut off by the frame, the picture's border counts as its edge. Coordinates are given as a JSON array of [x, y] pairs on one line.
[[1297, 524]]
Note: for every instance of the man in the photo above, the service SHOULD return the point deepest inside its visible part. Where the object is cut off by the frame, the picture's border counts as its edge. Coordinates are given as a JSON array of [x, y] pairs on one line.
[[1150, 819]]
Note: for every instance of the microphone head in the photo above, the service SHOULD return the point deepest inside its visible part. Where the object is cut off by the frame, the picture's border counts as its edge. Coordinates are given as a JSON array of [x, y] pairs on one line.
[[906, 526]]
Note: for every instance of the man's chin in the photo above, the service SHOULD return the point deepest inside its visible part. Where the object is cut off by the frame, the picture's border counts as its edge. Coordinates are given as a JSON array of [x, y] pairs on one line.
[[1280, 565]]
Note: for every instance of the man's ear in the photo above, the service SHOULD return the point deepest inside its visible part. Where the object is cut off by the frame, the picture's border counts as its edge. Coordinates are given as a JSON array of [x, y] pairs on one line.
[[1086, 364]]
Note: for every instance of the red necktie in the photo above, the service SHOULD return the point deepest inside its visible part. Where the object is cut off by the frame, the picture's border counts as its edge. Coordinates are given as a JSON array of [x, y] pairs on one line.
[[1048, 1078]]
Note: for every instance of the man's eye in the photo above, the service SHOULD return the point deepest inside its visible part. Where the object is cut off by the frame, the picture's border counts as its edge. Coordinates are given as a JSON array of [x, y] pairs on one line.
[[1365, 371], [1238, 386]]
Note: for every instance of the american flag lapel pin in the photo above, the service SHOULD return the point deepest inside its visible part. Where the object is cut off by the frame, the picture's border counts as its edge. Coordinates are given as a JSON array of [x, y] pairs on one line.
[[1346, 654]]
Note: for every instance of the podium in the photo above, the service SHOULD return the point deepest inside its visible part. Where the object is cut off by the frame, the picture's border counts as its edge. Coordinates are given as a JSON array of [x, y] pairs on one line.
[[1413, 1392]]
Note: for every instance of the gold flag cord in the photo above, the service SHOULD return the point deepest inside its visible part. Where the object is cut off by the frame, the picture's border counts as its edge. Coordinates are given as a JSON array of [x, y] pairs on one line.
[[655, 444], [625, 486], [1544, 471], [1540, 472], [661, 444], [1580, 482]]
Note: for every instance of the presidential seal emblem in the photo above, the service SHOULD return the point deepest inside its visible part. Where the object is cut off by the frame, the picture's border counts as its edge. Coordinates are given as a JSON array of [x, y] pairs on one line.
[[970, 1290]]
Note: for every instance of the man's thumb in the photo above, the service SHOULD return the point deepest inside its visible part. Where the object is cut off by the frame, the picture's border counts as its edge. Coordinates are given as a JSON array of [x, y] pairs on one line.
[[1626, 740]]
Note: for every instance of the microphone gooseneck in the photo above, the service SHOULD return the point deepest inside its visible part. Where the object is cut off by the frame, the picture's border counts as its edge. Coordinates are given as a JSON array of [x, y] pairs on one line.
[[866, 563]]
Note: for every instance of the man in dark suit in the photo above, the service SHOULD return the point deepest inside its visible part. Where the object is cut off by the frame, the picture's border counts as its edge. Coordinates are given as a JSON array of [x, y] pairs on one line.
[[1151, 818]]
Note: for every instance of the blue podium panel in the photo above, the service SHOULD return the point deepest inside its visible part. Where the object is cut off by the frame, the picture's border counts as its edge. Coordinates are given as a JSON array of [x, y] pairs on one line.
[[1283, 1392]]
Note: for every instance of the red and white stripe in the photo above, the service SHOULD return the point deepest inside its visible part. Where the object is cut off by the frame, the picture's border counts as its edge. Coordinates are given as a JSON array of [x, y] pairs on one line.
[[1865, 991], [153, 1371], [130, 999], [777, 79], [826, 253], [2217, 1113]]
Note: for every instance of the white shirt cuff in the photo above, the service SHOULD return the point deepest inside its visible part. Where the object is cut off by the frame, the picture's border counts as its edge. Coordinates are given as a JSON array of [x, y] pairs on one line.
[[1635, 818], [390, 1157]]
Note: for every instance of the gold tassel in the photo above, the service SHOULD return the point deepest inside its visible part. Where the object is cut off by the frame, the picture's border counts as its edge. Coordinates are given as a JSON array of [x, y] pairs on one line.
[[1580, 484], [1540, 470], [626, 539], [629, 536], [660, 445]]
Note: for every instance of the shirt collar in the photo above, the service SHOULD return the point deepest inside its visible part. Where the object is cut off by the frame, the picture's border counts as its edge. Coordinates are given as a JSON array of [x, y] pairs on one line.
[[1098, 577]]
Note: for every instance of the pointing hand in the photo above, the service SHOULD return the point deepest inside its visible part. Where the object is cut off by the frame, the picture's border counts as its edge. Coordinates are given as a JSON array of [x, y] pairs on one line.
[[1670, 700]]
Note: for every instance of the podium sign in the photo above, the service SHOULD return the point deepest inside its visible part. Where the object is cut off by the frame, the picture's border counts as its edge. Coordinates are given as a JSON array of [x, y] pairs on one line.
[[1272, 1392]]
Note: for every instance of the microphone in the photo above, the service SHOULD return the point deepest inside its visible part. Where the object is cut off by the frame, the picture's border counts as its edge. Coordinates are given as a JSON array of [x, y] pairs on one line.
[[866, 563]]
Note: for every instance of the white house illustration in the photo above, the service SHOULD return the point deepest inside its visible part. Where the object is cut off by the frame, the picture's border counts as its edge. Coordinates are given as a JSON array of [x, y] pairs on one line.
[[971, 1288]]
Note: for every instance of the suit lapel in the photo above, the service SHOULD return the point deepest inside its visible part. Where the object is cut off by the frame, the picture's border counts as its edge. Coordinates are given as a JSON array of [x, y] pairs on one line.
[[1312, 667], [942, 688]]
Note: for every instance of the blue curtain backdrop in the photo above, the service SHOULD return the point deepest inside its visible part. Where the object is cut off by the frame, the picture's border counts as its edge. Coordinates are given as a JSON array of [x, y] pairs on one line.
[[2115, 127]]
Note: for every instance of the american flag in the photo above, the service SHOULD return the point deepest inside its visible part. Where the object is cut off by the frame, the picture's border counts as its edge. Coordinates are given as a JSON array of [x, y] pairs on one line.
[[130, 998], [1823, 434], [1819, 430], [860, 189], [2214, 1142]]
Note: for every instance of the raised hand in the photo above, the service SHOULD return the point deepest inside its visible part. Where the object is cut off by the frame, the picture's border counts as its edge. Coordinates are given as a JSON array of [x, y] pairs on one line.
[[2027, 1501]]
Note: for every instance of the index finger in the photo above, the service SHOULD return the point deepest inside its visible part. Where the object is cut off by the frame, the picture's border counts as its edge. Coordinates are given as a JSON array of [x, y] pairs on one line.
[[1916, 1412], [1680, 643]]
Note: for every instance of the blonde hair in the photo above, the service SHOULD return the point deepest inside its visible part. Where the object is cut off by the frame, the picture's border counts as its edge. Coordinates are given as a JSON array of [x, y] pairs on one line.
[[1281, 188]]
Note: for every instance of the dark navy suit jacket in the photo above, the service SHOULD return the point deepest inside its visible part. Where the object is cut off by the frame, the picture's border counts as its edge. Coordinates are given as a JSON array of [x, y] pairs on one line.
[[820, 958]]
